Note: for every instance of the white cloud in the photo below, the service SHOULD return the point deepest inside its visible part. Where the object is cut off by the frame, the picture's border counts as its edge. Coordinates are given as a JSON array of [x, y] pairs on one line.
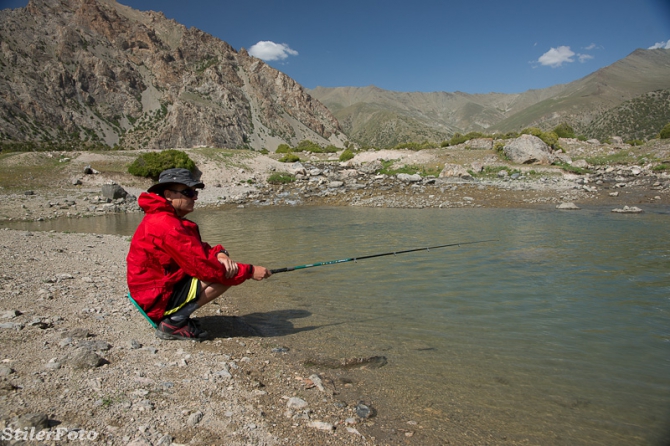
[[267, 50], [590, 47], [661, 45], [584, 57], [555, 57]]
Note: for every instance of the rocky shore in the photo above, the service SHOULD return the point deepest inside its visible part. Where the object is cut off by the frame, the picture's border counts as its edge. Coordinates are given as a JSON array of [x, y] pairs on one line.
[[78, 361], [467, 178]]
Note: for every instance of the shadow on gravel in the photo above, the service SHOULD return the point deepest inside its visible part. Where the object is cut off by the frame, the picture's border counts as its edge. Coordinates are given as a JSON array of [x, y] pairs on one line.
[[272, 323]]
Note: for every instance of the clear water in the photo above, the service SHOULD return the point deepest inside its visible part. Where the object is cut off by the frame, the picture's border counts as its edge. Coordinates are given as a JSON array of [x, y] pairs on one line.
[[558, 333]]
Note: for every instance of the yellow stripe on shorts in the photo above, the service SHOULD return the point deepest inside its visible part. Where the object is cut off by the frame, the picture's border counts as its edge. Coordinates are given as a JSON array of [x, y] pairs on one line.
[[192, 294]]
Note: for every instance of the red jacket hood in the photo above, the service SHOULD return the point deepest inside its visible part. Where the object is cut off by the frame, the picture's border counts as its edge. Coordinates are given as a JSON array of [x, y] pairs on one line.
[[152, 203]]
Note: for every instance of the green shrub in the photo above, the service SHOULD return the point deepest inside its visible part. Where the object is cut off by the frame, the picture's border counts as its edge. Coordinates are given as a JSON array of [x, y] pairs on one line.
[[308, 146], [564, 131], [346, 155], [416, 146], [331, 149], [264, 151], [289, 158], [635, 142], [665, 131], [549, 138], [531, 131], [572, 169], [281, 178], [150, 165], [459, 139], [283, 148]]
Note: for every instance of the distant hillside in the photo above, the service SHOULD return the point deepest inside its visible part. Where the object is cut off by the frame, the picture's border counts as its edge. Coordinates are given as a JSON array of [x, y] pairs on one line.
[[639, 118], [96, 71], [366, 113]]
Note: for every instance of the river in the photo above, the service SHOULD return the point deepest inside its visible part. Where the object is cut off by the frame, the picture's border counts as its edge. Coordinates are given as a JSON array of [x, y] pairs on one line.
[[556, 333]]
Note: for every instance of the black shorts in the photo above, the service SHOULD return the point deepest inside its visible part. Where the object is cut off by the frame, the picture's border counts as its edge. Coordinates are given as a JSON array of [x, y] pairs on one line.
[[185, 291]]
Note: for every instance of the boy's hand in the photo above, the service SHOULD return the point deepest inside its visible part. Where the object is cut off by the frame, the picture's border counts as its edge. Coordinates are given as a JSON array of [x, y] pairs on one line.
[[260, 273]]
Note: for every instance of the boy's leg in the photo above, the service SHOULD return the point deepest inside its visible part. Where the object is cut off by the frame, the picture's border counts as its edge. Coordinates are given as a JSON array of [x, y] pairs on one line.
[[209, 292]]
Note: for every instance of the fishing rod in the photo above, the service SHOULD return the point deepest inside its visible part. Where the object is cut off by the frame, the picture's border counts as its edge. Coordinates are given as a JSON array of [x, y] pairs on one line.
[[354, 259]]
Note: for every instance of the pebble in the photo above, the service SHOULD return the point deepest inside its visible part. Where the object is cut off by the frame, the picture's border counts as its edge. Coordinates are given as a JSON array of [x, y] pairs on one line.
[[38, 421], [11, 326], [296, 403], [5, 371], [321, 425], [11, 314], [364, 411], [194, 418], [83, 358], [53, 365]]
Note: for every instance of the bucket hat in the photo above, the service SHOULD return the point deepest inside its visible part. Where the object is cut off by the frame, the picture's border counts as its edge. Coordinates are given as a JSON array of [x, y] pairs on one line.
[[175, 176]]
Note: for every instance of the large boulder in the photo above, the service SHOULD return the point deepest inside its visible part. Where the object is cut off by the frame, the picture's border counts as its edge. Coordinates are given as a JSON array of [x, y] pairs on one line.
[[453, 170], [528, 149], [113, 191], [480, 144]]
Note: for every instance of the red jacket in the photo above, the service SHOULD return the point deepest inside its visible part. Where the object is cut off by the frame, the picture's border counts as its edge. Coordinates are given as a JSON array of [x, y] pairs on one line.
[[166, 248]]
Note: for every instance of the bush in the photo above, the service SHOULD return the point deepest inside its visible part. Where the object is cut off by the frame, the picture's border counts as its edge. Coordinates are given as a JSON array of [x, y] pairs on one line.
[[281, 178], [531, 131], [150, 165], [331, 149], [459, 139], [665, 132], [564, 131], [346, 155], [289, 158], [308, 146], [283, 148]]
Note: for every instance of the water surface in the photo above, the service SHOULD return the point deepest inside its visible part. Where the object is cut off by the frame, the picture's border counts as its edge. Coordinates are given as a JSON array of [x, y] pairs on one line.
[[559, 333]]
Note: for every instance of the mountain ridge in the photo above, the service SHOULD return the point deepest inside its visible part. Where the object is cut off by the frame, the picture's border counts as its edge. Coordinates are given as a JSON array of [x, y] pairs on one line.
[[444, 113], [100, 72]]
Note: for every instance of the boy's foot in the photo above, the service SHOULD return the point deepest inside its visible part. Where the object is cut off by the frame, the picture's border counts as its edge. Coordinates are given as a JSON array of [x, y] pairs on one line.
[[188, 331]]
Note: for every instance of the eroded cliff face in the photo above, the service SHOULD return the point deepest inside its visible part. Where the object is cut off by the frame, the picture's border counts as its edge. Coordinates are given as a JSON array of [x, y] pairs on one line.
[[96, 70]]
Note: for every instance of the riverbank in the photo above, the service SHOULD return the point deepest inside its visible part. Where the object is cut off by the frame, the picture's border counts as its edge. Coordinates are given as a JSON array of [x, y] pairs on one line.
[[78, 359], [40, 186]]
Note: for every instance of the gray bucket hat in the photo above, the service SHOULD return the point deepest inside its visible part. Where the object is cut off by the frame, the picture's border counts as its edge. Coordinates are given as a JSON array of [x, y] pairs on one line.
[[175, 176]]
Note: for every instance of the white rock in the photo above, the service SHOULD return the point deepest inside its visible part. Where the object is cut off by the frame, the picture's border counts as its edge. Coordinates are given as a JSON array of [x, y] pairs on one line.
[[296, 403], [628, 210], [321, 425], [195, 418]]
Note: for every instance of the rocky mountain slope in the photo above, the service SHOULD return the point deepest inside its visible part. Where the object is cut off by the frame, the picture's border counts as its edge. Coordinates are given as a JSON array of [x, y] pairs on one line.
[[640, 118], [98, 71], [370, 115]]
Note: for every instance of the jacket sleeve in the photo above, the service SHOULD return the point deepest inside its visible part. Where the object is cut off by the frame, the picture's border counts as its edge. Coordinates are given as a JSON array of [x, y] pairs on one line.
[[198, 259]]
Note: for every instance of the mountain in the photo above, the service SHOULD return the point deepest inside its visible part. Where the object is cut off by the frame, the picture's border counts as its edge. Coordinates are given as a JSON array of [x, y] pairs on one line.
[[99, 71], [640, 118], [366, 113]]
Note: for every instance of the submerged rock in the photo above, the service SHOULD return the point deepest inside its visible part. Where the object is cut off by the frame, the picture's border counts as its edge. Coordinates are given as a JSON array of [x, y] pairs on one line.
[[568, 206], [628, 210]]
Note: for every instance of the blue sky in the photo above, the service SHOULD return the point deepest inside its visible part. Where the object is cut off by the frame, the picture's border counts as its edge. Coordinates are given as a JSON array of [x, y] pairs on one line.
[[474, 46]]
